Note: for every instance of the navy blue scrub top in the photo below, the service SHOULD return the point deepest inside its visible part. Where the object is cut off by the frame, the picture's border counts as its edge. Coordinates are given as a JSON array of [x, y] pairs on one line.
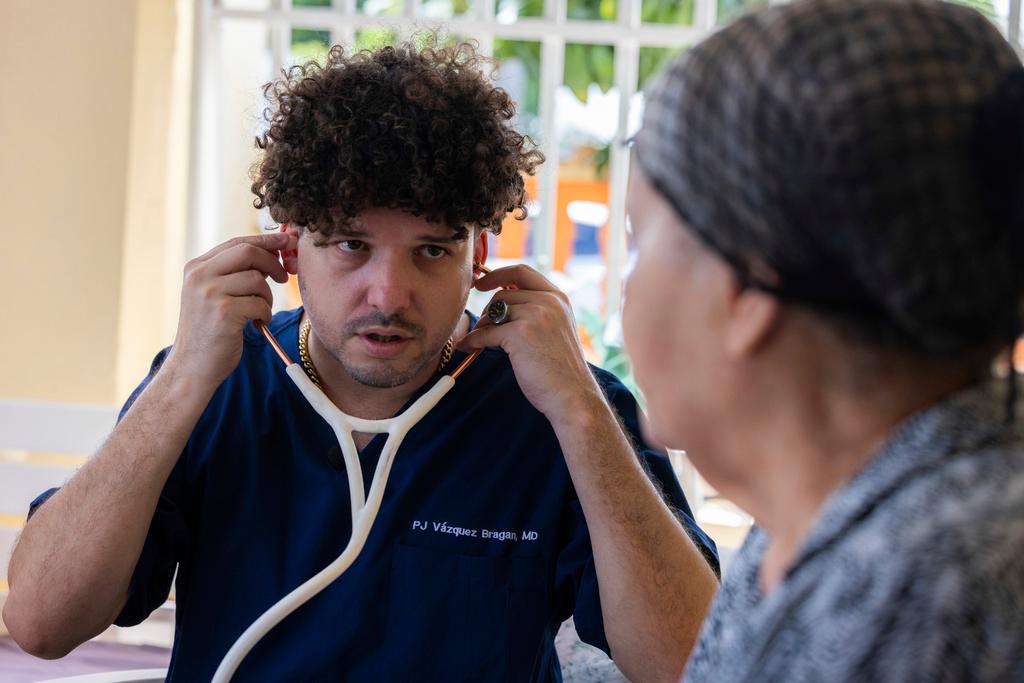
[[480, 550]]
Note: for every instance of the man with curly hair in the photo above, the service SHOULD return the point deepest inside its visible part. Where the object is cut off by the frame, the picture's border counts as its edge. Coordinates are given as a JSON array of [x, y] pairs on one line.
[[387, 169]]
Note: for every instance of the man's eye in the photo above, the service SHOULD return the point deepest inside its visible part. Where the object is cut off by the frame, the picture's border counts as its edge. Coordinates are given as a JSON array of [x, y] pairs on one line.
[[434, 252], [350, 245]]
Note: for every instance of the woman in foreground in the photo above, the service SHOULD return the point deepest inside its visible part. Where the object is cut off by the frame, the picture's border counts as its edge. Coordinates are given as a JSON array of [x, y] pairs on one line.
[[828, 215]]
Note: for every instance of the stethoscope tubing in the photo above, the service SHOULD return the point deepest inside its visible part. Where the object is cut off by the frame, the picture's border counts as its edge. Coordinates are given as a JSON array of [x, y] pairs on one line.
[[364, 509], [364, 513]]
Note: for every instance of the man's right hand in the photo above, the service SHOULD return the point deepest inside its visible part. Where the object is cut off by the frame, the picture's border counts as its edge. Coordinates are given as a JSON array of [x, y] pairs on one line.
[[224, 289]]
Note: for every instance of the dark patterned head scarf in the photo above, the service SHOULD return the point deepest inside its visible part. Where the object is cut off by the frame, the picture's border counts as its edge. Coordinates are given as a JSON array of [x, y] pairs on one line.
[[870, 153]]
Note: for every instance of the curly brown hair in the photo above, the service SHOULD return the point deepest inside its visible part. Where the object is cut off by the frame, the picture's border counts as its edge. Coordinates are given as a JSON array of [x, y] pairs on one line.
[[417, 128]]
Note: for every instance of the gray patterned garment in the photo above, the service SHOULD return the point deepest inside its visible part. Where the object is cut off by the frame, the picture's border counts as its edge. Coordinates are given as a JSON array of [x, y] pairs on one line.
[[914, 570]]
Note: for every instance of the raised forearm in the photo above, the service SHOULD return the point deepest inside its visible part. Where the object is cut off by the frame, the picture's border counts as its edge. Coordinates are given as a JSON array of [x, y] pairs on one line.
[[70, 571], [655, 584]]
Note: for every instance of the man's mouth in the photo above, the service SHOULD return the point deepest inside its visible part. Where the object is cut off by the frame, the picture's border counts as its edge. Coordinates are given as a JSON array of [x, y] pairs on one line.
[[381, 344], [384, 338]]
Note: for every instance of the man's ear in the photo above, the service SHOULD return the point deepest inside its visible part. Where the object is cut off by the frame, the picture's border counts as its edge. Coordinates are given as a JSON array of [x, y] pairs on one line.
[[290, 257], [753, 316], [480, 249]]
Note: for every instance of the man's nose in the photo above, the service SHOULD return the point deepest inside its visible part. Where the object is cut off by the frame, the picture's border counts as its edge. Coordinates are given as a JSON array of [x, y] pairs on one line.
[[390, 284]]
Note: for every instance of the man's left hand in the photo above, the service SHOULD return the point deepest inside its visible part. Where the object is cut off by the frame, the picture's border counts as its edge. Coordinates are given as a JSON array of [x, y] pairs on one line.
[[540, 339]]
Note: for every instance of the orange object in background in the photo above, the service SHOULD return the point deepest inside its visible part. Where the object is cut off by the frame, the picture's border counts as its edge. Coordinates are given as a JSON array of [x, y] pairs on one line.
[[512, 241]]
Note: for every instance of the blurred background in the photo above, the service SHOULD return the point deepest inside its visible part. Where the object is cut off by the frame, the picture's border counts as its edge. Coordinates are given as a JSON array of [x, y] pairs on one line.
[[126, 137]]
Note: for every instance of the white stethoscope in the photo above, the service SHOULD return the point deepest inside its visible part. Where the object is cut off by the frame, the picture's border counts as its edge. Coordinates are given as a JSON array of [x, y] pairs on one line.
[[364, 509]]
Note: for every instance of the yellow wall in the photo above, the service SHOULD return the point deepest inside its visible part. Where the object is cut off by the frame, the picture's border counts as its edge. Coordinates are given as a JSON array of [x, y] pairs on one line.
[[66, 71], [156, 207], [82, 167]]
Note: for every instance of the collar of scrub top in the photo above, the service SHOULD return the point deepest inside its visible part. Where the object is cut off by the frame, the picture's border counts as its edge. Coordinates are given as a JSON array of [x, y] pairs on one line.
[[364, 509]]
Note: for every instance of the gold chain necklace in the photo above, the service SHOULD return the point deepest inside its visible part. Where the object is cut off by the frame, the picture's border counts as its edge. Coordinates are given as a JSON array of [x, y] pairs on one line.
[[307, 360]]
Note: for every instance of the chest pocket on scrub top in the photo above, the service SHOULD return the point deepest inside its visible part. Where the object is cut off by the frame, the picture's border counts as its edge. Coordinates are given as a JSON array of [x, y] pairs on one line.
[[472, 616]]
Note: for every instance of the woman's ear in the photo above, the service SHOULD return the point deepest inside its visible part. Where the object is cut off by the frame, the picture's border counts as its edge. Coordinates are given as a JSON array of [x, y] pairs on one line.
[[753, 313], [753, 317], [290, 257]]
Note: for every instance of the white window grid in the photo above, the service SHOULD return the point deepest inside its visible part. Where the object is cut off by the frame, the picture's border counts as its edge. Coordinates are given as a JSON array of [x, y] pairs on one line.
[[627, 34]]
